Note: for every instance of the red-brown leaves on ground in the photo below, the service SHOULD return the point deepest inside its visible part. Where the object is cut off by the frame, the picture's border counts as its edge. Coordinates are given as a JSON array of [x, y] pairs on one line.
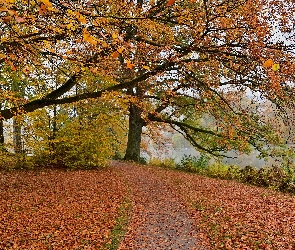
[[53, 209], [234, 215]]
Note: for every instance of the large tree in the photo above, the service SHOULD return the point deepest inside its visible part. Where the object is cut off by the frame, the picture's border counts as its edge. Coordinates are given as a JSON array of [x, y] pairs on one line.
[[174, 61]]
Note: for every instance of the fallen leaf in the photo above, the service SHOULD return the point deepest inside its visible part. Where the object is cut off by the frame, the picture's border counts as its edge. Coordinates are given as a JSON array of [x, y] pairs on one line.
[[276, 67], [170, 2], [129, 65], [268, 63]]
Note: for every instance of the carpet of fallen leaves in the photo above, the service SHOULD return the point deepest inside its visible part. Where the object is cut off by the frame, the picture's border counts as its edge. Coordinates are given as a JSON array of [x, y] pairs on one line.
[[234, 215], [55, 209]]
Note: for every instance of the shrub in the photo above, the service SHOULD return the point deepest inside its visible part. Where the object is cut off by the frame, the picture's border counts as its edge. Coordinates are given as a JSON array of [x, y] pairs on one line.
[[249, 175], [218, 170], [7, 160], [193, 164], [280, 178], [165, 163]]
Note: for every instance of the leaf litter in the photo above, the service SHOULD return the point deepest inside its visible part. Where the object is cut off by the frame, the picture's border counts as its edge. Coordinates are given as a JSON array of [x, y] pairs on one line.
[[54, 209]]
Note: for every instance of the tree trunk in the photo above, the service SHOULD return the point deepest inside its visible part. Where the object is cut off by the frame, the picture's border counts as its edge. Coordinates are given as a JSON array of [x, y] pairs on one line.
[[134, 134], [1, 133], [1, 130], [17, 143]]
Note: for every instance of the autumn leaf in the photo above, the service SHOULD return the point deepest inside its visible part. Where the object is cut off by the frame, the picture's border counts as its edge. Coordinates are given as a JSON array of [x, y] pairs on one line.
[[88, 38], [42, 9], [105, 45], [19, 19], [120, 50], [129, 65], [47, 3], [115, 54], [268, 63], [170, 2], [96, 22], [11, 65], [81, 18], [60, 200], [146, 67], [276, 67], [6, 19], [70, 26]]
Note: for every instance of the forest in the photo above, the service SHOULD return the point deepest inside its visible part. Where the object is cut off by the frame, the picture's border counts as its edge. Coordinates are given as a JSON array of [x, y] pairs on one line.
[[85, 83]]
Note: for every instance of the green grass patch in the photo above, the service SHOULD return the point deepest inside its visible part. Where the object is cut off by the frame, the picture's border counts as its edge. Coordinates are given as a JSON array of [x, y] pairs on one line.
[[120, 227]]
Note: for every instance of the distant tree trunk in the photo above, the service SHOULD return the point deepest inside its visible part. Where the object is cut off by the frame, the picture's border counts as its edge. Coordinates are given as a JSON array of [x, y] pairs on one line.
[[134, 134], [52, 126], [1, 130], [1, 133], [17, 143]]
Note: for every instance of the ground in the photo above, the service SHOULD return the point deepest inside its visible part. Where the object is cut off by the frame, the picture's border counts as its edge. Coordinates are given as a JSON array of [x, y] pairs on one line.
[[166, 209]]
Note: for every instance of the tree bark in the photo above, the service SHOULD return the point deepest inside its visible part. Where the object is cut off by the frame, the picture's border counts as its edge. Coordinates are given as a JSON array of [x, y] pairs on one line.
[[1, 130], [1, 133], [17, 143], [136, 124]]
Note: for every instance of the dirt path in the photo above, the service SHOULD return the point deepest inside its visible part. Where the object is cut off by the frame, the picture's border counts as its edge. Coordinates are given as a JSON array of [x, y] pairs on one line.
[[159, 220]]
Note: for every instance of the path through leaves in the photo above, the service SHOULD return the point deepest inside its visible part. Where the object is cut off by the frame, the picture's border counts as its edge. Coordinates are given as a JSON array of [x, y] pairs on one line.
[[159, 220]]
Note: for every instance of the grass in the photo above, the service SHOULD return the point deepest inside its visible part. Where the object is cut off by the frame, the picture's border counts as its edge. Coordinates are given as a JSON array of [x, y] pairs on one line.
[[120, 227]]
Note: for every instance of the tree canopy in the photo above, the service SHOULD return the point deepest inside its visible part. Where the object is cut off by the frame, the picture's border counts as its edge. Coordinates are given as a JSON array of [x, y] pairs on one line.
[[173, 61]]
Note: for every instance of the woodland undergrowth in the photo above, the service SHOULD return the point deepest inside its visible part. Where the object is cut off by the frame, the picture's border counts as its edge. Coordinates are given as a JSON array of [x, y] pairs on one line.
[[279, 177]]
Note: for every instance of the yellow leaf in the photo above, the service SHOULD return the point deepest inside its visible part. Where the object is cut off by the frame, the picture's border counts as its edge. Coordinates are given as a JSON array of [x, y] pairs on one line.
[[276, 67], [2, 56], [69, 26], [88, 38], [114, 36], [70, 12], [96, 22], [146, 67], [120, 50], [170, 2], [105, 45], [268, 63], [46, 44], [85, 34], [81, 19], [47, 3]]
